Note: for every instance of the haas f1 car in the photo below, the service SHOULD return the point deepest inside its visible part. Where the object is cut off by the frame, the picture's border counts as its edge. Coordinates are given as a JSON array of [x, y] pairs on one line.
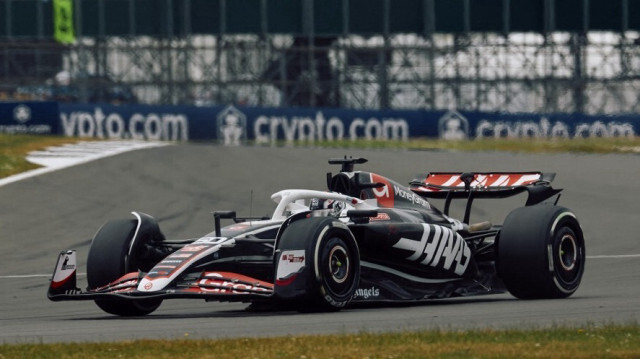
[[366, 239]]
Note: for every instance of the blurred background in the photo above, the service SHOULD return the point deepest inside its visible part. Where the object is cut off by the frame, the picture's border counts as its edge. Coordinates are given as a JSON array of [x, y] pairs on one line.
[[560, 56]]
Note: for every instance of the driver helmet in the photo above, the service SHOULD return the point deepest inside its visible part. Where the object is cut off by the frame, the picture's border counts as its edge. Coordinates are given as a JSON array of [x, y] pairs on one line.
[[319, 203]]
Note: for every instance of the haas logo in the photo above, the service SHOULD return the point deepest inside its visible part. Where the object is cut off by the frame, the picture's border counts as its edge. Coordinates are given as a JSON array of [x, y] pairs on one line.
[[439, 247]]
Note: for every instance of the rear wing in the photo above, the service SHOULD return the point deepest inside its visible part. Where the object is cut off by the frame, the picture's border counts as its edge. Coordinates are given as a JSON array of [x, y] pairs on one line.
[[486, 184], [470, 185]]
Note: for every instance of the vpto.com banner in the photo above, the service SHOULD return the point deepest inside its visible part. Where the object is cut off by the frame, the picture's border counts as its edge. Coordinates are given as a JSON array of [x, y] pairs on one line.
[[231, 124], [235, 125]]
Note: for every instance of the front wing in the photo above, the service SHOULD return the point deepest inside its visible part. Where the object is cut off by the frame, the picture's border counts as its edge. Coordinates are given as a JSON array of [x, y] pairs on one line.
[[377, 284], [214, 286]]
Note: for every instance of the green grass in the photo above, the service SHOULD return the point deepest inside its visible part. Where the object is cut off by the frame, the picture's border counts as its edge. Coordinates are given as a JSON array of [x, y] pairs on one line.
[[14, 149], [583, 342]]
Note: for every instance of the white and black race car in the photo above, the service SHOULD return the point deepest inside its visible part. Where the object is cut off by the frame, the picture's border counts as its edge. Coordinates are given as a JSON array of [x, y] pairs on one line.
[[366, 239]]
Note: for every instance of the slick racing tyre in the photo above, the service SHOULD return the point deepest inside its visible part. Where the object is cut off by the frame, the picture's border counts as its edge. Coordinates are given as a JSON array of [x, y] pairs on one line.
[[541, 252], [110, 258], [331, 271]]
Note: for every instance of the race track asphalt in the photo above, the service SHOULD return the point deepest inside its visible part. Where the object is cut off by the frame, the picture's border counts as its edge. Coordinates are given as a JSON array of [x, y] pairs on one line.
[[181, 184]]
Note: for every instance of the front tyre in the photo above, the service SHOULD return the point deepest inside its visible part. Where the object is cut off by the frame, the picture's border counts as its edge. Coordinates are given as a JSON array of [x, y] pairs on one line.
[[108, 260], [331, 272], [541, 252], [337, 270]]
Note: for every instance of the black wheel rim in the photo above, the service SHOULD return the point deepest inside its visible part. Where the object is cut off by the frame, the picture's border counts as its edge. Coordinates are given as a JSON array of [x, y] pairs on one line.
[[338, 269], [568, 252], [339, 264], [568, 255]]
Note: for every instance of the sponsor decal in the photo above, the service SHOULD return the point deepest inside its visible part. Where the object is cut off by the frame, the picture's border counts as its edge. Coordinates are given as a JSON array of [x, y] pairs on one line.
[[210, 240], [388, 194], [138, 126], [334, 303], [29, 129], [307, 128], [229, 283], [383, 195], [66, 265], [232, 126], [192, 248], [148, 285], [411, 197], [65, 269], [17, 119], [366, 293], [22, 114], [291, 258], [180, 255], [165, 266], [238, 227], [455, 126], [439, 247], [224, 286], [290, 264], [169, 261], [380, 217]]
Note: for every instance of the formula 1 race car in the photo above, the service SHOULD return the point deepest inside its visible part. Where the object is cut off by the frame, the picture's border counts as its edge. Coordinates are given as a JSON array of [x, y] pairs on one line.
[[366, 239]]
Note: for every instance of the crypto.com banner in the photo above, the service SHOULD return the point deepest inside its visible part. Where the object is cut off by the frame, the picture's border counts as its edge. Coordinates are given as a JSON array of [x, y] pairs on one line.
[[33, 118], [234, 125]]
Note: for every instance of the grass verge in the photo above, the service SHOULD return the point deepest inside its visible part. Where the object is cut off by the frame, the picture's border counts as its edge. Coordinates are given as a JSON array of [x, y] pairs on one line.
[[585, 342], [14, 150]]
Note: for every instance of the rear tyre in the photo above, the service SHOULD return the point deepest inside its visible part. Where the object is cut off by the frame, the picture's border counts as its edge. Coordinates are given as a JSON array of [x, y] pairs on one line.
[[541, 252], [109, 260], [332, 269]]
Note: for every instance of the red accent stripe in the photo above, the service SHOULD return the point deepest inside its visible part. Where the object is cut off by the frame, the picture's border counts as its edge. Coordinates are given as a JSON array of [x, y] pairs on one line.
[[232, 276], [453, 179], [125, 278], [285, 282], [59, 284]]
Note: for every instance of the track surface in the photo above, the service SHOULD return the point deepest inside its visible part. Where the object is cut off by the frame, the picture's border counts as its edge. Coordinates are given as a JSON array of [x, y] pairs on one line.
[[180, 185]]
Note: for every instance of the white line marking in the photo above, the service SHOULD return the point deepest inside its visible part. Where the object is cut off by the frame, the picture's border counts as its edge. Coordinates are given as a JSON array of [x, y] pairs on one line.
[[55, 158], [616, 256]]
